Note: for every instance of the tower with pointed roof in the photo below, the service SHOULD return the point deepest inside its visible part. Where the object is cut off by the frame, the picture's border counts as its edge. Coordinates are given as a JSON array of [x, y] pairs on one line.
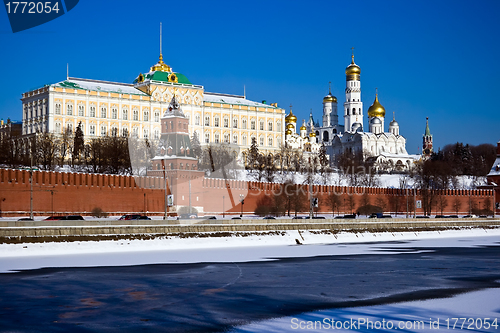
[[427, 141], [353, 107]]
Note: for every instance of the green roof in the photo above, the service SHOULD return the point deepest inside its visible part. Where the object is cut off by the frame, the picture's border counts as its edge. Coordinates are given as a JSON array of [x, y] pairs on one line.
[[163, 76]]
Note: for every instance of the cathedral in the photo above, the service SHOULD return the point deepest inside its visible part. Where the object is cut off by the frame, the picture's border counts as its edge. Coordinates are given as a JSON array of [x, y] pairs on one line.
[[387, 148]]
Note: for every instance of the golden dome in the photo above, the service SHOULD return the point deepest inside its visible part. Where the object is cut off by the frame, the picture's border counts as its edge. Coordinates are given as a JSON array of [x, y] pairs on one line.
[[291, 118], [290, 126], [353, 69], [303, 128], [288, 132], [330, 98], [376, 110], [161, 66], [312, 135]]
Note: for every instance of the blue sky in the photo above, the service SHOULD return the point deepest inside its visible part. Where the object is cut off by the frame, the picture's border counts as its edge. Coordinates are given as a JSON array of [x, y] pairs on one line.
[[436, 59]]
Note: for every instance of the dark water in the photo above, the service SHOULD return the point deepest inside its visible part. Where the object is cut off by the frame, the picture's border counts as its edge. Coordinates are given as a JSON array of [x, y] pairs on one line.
[[212, 297]]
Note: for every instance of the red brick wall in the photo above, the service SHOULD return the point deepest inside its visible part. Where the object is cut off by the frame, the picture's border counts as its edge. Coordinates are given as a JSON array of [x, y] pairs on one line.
[[78, 193]]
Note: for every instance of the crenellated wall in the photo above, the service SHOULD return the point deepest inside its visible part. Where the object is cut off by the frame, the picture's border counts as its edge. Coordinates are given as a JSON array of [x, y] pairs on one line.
[[79, 193]]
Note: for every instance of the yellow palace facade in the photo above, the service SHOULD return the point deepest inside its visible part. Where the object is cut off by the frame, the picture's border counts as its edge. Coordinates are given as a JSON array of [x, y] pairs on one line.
[[121, 109]]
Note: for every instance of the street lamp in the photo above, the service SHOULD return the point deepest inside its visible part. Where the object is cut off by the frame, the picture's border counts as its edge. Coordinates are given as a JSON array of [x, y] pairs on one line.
[[242, 200]]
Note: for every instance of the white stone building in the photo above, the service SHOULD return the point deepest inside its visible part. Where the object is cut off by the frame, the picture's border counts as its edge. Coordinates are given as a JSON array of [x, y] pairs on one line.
[[386, 147]]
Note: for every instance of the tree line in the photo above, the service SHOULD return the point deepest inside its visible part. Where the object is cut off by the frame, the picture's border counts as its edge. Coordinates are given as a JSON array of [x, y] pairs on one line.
[[48, 151]]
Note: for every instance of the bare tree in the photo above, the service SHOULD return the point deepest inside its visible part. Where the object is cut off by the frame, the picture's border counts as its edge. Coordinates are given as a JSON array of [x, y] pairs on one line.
[[457, 204], [65, 145], [334, 202], [442, 203], [45, 151]]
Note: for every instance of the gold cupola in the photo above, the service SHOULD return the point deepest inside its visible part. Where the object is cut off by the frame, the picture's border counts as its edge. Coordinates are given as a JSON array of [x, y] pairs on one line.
[[288, 132], [303, 127], [352, 71], [330, 98], [312, 135], [161, 66], [290, 126], [291, 118], [376, 110]]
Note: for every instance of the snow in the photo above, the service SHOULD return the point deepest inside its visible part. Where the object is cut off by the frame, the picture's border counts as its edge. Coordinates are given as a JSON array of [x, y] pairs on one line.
[[105, 86], [232, 99], [417, 316], [236, 248]]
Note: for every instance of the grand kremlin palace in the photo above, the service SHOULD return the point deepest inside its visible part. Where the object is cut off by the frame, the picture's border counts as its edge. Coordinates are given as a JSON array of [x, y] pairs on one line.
[[109, 108]]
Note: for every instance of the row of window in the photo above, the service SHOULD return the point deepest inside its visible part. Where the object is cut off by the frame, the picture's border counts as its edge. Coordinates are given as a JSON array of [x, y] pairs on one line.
[[103, 113], [216, 123], [226, 139], [353, 111], [113, 132], [135, 117]]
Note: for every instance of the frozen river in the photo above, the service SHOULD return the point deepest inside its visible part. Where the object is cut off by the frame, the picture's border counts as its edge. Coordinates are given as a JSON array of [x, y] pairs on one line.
[[245, 295]]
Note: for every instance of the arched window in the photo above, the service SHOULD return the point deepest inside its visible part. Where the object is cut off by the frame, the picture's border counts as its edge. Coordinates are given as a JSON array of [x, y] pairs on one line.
[[244, 140], [146, 115], [261, 141], [226, 122], [216, 136], [244, 123], [114, 113], [114, 131], [353, 111], [135, 132], [81, 110], [216, 121], [125, 132], [278, 126], [270, 125], [92, 111], [252, 124], [261, 125], [207, 137], [103, 130], [136, 115], [157, 134], [58, 109], [92, 129], [207, 120], [235, 122], [235, 139], [270, 141], [125, 114], [146, 133], [103, 112], [226, 138], [58, 128], [157, 117], [325, 136], [69, 109], [197, 119]]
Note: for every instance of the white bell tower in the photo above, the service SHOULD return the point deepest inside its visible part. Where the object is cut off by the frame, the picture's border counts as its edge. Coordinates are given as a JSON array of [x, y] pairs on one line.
[[353, 107]]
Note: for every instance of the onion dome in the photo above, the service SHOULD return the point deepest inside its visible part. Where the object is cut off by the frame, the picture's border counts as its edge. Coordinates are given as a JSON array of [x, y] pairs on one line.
[[289, 126], [376, 110], [161, 66], [312, 135], [291, 118], [353, 69], [393, 123], [375, 121], [330, 98], [303, 127], [288, 132]]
